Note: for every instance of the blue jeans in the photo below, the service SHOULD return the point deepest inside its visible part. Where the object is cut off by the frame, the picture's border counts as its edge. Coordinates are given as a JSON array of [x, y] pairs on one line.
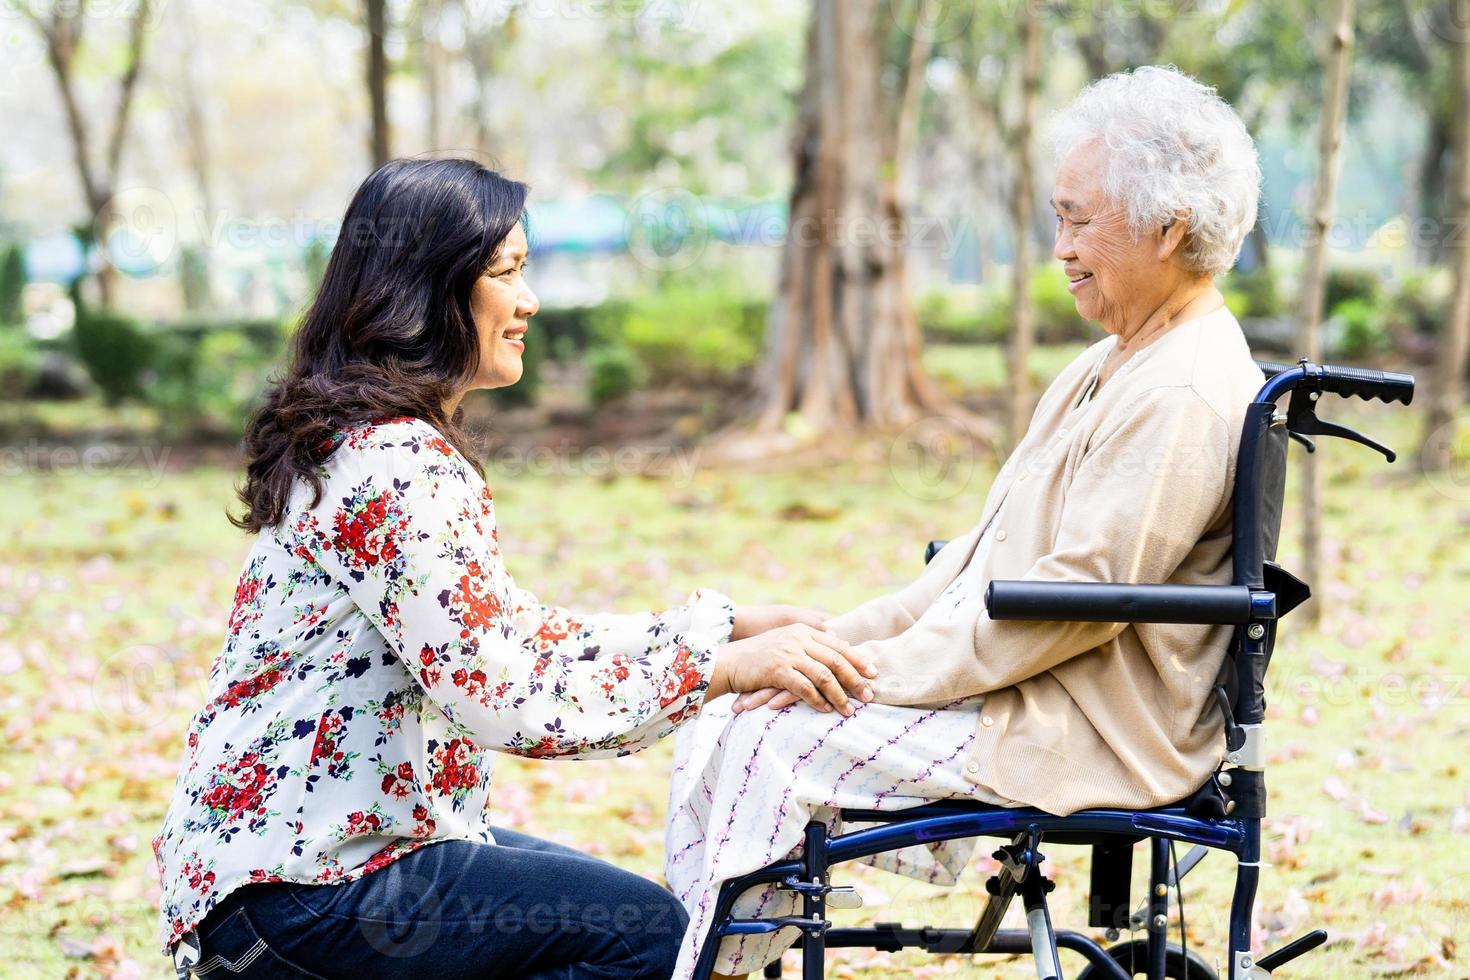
[[524, 908]]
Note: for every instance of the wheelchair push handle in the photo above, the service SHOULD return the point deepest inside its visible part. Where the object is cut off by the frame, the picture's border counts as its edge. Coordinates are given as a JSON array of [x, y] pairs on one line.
[[1349, 382]]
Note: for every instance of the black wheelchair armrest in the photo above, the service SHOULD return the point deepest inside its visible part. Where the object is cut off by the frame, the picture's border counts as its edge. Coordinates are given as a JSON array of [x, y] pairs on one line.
[[1106, 602]]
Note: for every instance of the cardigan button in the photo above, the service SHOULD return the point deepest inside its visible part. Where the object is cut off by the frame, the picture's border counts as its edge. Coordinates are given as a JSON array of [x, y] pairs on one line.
[[1000, 535], [987, 721], [973, 767]]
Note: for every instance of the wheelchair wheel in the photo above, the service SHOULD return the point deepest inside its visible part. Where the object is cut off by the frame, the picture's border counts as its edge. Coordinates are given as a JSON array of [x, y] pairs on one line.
[[1177, 966]]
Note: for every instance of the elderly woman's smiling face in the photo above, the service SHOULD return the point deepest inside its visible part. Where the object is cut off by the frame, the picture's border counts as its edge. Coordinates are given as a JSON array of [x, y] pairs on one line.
[[1117, 278]]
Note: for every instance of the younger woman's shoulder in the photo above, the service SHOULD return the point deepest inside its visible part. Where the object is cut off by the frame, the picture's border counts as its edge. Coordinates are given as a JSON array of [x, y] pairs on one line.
[[395, 442], [390, 434]]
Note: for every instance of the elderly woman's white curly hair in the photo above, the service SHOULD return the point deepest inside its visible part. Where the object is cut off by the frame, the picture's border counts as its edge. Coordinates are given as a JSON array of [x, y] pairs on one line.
[[1172, 145]]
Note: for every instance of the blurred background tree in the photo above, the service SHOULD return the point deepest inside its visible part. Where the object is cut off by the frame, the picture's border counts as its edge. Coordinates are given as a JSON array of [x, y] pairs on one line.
[[672, 147]]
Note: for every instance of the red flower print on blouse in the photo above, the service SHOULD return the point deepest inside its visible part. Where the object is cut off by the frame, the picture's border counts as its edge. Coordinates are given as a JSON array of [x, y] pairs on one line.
[[366, 529], [472, 603], [399, 783], [455, 769]]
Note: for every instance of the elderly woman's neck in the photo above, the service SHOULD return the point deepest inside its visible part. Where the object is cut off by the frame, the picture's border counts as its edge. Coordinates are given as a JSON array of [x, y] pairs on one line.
[[1192, 298]]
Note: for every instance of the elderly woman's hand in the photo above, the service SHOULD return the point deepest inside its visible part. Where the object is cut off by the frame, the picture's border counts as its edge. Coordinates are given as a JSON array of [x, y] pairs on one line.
[[810, 663], [750, 620]]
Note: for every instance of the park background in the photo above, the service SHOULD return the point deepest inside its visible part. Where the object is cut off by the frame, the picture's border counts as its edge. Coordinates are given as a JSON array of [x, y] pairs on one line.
[[171, 175]]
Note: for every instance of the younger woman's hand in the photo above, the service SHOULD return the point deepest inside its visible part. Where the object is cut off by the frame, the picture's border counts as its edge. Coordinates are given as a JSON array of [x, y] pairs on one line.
[[752, 620], [812, 664]]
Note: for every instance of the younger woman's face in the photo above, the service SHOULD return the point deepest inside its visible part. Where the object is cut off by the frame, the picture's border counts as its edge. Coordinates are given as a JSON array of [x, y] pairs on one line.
[[502, 303]]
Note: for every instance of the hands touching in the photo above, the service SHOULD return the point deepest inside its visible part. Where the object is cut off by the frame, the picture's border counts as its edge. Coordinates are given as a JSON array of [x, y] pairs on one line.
[[786, 652]]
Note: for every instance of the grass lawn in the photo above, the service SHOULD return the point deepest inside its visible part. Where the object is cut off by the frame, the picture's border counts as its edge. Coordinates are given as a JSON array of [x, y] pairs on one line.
[[115, 585]]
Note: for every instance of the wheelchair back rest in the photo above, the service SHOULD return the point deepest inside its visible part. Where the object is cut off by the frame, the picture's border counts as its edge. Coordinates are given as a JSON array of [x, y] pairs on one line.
[[1259, 493]]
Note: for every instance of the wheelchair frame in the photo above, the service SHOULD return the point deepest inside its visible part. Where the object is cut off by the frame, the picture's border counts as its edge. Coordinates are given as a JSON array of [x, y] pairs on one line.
[[1224, 814]]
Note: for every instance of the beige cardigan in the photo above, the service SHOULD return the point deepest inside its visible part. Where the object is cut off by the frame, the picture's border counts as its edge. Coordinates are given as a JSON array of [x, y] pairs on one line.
[[1133, 485]]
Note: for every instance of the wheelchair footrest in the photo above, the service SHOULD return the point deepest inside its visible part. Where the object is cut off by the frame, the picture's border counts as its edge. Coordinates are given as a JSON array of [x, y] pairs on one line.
[[1292, 950], [837, 896]]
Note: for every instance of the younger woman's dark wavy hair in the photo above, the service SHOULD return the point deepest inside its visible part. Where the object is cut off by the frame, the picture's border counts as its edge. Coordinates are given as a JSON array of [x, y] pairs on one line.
[[390, 332]]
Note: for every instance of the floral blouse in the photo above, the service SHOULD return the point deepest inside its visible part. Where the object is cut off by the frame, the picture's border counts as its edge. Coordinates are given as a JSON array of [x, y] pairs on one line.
[[378, 652]]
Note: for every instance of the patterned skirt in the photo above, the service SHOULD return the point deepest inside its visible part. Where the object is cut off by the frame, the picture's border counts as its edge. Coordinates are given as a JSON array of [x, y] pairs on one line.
[[745, 786]]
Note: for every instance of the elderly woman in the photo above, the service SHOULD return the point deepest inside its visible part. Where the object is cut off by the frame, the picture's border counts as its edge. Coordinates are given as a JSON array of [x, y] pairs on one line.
[[1125, 475]]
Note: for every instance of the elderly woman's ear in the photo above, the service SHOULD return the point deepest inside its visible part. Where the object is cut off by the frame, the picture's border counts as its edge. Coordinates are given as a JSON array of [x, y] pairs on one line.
[[1171, 236]]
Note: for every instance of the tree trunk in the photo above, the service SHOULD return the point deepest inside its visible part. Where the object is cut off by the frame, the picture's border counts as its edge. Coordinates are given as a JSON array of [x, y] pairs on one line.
[[1314, 270], [1023, 194], [377, 81], [1454, 346], [431, 55], [195, 125], [1432, 182], [63, 36], [842, 346]]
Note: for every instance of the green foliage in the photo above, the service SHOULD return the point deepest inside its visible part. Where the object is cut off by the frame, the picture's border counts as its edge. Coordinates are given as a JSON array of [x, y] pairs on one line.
[[1345, 283], [1421, 301], [116, 350], [1253, 293], [694, 115], [986, 318], [612, 372], [567, 332], [12, 284], [208, 376], [1364, 327], [686, 333], [20, 361], [961, 316]]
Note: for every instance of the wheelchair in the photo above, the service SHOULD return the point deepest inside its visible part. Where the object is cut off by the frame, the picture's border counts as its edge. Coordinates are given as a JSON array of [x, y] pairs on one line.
[[1223, 814]]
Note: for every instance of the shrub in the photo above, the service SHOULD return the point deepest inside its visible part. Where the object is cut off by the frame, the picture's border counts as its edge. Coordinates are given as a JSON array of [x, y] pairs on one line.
[[1350, 283], [963, 315], [1363, 327], [1057, 321], [207, 376], [1253, 293], [685, 334], [12, 284], [568, 330], [116, 351], [1421, 301], [20, 363], [612, 372], [1054, 313]]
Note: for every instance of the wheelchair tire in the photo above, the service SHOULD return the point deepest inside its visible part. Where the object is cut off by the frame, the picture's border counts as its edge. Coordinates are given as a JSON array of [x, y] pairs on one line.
[[1176, 965]]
